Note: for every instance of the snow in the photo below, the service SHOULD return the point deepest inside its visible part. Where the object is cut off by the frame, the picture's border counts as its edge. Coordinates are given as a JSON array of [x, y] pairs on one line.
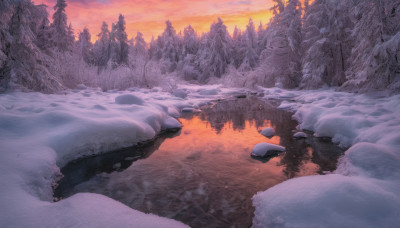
[[266, 149], [300, 135], [40, 133], [128, 99], [171, 123], [268, 132], [364, 190]]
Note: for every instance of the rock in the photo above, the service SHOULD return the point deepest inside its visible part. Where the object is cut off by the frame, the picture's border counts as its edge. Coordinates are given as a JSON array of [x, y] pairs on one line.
[[241, 96], [266, 149], [129, 99], [268, 132]]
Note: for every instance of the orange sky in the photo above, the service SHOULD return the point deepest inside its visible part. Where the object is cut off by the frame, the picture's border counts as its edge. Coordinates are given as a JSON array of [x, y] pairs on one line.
[[149, 16]]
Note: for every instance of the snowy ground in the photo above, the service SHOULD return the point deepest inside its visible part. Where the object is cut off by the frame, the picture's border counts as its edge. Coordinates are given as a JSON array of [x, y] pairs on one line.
[[40, 133], [364, 191]]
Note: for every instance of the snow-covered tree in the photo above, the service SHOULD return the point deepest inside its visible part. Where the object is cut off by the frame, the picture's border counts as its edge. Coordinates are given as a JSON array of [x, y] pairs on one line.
[[101, 48], [238, 47], [219, 43], [326, 44], [85, 46], [374, 61], [170, 51], [26, 65], [190, 41], [119, 43], [250, 60], [139, 51], [281, 58], [63, 37]]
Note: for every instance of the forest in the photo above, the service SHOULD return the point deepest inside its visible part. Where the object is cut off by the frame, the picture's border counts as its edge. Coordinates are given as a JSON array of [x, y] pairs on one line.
[[352, 45]]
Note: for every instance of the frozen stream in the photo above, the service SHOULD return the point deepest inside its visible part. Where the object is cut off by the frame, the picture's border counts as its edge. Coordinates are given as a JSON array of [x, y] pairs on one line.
[[204, 175]]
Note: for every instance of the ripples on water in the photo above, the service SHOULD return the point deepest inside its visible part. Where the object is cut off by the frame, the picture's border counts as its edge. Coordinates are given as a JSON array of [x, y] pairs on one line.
[[203, 175]]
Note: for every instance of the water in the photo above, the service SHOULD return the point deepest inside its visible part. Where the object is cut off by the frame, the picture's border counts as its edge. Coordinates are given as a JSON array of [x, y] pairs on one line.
[[204, 175]]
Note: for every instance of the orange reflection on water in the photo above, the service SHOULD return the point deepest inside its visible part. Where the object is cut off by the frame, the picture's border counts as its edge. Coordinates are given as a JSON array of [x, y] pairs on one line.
[[238, 141]]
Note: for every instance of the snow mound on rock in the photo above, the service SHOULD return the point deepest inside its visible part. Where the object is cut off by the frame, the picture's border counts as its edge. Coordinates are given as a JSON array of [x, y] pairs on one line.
[[129, 99], [300, 135], [266, 149], [268, 132]]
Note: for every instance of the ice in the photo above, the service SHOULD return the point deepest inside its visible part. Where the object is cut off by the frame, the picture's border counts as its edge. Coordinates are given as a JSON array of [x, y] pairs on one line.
[[128, 99], [266, 149], [300, 135], [268, 132], [209, 92]]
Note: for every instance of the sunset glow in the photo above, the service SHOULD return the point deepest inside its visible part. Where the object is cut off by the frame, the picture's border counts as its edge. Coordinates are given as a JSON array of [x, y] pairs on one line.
[[149, 16]]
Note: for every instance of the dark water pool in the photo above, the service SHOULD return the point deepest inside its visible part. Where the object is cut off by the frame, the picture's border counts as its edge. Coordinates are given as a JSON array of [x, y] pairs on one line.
[[203, 175]]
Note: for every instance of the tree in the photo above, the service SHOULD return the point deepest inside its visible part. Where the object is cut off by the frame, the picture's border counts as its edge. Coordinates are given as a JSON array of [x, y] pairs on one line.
[[250, 60], [122, 39], [190, 41], [85, 46], [27, 64], [170, 51], [139, 52], [374, 61], [219, 43], [326, 44], [101, 48], [281, 58], [63, 37]]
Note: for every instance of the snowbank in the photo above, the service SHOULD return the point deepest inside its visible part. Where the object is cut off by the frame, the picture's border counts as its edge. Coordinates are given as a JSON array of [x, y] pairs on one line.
[[364, 191], [40, 133]]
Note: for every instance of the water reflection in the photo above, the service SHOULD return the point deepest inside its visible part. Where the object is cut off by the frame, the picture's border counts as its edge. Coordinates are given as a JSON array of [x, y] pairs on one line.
[[205, 177]]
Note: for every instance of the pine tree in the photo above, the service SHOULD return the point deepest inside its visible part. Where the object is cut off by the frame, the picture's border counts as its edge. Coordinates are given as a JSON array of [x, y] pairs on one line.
[[85, 46], [374, 61], [139, 51], [190, 41], [63, 37], [27, 63], [281, 58], [170, 48], [122, 41], [101, 48], [250, 60], [219, 43]]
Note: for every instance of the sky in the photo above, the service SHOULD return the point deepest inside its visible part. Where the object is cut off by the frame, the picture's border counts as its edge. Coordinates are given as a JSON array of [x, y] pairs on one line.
[[149, 16]]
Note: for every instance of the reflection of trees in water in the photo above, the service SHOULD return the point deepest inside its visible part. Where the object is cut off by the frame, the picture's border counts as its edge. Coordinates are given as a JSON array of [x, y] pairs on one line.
[[82, 170], [237, 112], [260, 113]]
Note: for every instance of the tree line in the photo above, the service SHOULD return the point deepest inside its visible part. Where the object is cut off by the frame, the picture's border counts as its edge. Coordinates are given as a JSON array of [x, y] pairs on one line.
[[353, 45]]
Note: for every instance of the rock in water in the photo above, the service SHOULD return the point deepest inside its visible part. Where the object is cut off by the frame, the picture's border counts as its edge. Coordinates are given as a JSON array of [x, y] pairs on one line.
[[268, 132], [300, 135], [266, 149]]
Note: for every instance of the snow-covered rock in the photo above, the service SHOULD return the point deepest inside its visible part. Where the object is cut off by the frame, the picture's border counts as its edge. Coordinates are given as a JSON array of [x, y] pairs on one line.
[[180, 93], [209, 92], [300, 135], [129, 99], [268, 132], [266, 149]]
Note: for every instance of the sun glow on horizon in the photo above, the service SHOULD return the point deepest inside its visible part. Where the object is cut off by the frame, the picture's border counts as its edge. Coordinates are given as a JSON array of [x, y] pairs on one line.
[[148, 17]]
